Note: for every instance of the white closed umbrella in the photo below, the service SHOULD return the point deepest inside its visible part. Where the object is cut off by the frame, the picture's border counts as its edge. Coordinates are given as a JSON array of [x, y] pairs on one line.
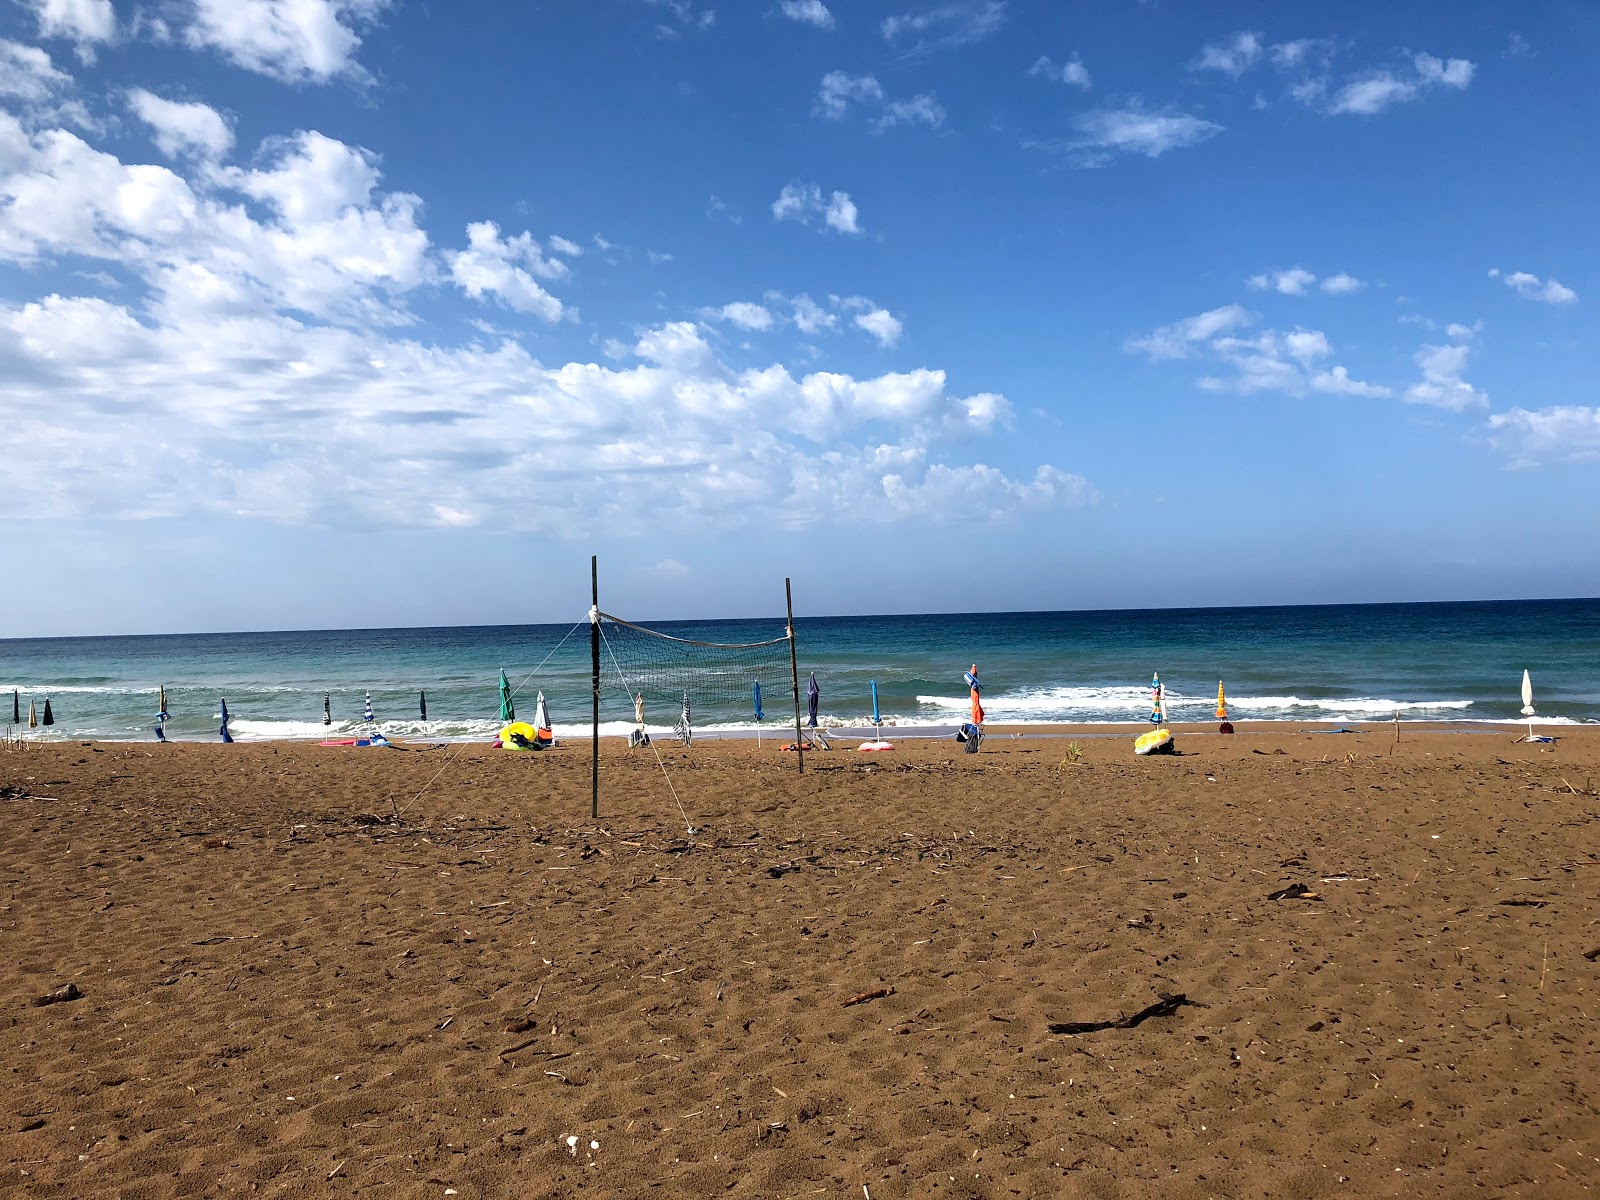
[[1527, 700]]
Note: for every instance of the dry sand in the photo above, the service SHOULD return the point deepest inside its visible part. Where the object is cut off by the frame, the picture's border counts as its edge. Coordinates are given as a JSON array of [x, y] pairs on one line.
[[282, 995]]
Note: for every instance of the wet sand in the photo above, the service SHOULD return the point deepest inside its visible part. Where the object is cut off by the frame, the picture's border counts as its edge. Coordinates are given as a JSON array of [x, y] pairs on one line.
[[839, 984]]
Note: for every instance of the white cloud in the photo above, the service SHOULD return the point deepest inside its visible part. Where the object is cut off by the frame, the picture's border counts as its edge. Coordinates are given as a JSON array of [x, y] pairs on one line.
[[685, 13], [1292, 282], [1132, 130], [183, 128], [1533, 288], [1377, 90], [810, 317], [1072, 71], [1233, 57], [743, 314], [805, 203], [1341, 284], [269, 368], [328, 243], [808, 12], [86, 23], [839, 90], [1270, 361], [1372, 95], [296, 41], [1337, 382], [27, 74], [1443, 383], [881, 325], [1561, 433], [1456, 73], [944, 26], [560, 245], [492, 266], [1179, 339]]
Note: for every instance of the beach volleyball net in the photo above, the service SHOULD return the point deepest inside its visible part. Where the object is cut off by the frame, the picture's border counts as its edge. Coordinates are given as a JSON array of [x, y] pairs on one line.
[[655, 675]]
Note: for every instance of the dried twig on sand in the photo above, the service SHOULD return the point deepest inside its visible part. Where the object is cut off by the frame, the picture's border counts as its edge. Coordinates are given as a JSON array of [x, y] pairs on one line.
[[874, 994]]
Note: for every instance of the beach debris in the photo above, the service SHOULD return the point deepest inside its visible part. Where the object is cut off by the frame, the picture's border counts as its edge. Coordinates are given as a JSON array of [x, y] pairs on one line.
[[863, 997], [1591, 955], [1525, 903], [1163, 1007], [62, 995], [1295, 891]]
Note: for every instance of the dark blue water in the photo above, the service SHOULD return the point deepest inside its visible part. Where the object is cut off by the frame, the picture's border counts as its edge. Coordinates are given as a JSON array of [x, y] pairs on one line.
[[1455, 661]]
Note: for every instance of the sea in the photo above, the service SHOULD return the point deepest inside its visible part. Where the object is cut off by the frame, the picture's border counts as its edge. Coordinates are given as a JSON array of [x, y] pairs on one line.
[[1310, 666]]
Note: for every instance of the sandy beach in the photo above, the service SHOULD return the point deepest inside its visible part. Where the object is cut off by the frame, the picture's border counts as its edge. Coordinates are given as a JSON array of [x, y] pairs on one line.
[[872, 979]]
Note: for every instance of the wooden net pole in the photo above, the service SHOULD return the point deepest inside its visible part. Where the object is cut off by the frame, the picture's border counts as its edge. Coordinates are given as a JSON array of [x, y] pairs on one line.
[[794, 678], [594, 661]]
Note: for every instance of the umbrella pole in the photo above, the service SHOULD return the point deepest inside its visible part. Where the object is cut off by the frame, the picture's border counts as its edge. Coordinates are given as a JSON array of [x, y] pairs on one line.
[[794, 677]]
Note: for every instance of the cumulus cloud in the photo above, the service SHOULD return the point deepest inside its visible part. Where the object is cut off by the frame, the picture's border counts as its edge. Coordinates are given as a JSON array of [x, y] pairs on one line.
[[1443, 383], [183, 128], [808, 12], [944, 26], [1297, 281], [1292, 362], [1179, 339], [1232, 57], [1134, 130], [840, 90], [741, 313], [296, 41], [327, 242], [267, 365], [1377, 90], [504, 269], [1561, 433], [86, 23], [27, 74], [1533, 288], [1072, 71], [805, 203]]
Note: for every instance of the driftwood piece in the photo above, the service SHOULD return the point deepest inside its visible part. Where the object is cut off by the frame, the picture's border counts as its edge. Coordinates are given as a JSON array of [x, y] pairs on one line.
[[874, 994], [1163, 1007]]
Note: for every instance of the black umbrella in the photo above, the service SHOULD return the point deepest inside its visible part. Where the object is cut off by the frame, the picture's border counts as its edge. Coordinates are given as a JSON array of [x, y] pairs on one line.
[[422, 702], [49, 717], [16, 708], [813, 694], [327, 708], [226, 736]]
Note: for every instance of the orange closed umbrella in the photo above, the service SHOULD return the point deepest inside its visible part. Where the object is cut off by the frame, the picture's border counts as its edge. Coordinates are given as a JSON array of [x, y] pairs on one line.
[[977, 704]]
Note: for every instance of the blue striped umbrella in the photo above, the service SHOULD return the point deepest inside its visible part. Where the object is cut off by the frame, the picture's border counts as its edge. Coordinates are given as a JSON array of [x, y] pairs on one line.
[[226, 736], [876, 719], [813, 695], [755, 689], [366, 712]]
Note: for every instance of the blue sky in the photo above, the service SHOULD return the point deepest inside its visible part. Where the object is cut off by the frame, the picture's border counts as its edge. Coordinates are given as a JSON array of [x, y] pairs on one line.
[[351, 312]]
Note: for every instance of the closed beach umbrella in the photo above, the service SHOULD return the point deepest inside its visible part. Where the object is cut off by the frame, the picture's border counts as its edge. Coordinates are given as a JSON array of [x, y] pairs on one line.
[[366, 711], [161, 711], [1527, 694], [813, 696], [16, 707], [971, 678], [33, 716], [876, 719], [1158, 710], [422, 703], [638, 710], [327, 708], [684, 728], [226, 736], [1222, 711], [49, 717], [755, 690], [541, 719], [508, 711]]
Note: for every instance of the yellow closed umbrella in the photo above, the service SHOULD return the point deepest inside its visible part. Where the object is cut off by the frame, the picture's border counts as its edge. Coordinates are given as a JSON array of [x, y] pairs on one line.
[[1222, 711]]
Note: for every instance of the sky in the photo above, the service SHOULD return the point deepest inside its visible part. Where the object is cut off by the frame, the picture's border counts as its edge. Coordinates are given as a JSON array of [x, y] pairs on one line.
[[357, 313]]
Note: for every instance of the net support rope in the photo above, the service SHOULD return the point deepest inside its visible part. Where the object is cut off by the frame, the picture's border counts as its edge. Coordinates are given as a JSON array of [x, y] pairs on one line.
[[627, 690], [400, 812]]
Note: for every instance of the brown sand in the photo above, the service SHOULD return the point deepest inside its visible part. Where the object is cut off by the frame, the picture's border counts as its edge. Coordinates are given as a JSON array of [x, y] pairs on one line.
[[504, 998]]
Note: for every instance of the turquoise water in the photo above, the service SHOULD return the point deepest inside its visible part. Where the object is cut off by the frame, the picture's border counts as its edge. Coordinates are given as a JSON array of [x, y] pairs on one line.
[[1308, 665]]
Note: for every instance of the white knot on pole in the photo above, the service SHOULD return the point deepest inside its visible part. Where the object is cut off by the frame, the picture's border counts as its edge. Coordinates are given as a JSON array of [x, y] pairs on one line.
[[594, 614]]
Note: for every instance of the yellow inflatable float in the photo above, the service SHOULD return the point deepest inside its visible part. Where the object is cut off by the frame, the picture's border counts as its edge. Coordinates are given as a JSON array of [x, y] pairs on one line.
[[519, 735], [1157, 741]]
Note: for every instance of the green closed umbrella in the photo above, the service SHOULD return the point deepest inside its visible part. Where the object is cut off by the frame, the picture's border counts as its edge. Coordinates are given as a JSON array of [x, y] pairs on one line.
[[508, 711]]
